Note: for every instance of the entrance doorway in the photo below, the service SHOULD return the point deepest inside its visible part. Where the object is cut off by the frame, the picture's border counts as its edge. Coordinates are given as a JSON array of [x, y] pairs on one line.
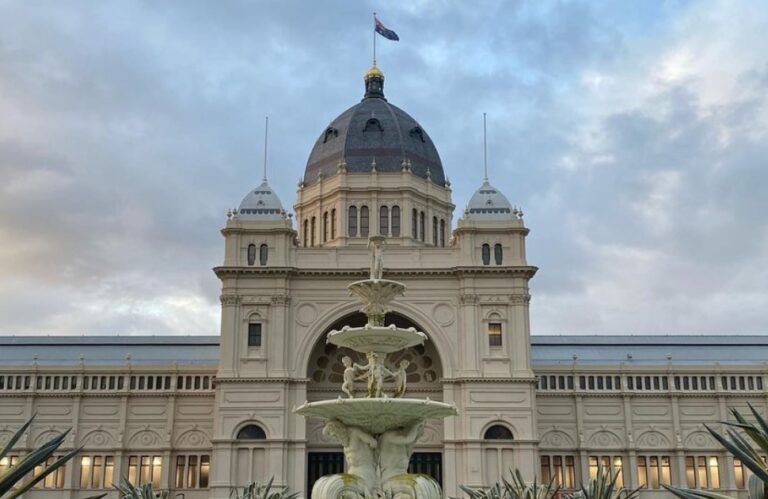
[[322, 463], [428, 463]]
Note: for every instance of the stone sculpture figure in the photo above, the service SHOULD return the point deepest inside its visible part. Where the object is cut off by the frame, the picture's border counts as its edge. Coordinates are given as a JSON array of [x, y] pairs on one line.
[[395, 448], [377, 257], [376, 372], [359, 450], [350, 372], [400, 378]]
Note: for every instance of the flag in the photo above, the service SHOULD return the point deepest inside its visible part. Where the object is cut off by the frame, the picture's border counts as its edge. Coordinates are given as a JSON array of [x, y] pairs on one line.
[[383, 31]]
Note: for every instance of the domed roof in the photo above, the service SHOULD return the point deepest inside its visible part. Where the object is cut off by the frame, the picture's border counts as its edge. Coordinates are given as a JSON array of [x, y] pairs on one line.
[[488, 203], [261, 204], [376, 130]]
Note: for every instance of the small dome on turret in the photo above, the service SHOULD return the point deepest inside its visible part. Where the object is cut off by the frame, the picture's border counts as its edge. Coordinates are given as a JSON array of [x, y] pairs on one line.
[[488, 203], [261, 204]]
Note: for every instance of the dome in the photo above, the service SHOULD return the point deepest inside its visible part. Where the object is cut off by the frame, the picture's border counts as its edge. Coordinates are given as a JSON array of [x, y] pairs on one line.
[[261, 204], [488, 203], [376, 130]]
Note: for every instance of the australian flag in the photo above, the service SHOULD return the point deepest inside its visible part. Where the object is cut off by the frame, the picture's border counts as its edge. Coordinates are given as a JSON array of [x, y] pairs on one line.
[[383, 31]]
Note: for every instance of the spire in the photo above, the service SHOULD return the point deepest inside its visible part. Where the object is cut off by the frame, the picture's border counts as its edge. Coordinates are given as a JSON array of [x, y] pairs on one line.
[[485, 153], [266, 132]]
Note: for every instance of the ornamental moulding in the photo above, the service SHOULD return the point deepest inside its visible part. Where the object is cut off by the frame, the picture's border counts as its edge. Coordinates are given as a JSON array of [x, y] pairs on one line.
[[229, 299]]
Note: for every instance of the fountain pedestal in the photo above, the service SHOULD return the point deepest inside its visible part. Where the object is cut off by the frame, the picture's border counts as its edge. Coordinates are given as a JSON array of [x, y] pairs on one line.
[[378, 433]]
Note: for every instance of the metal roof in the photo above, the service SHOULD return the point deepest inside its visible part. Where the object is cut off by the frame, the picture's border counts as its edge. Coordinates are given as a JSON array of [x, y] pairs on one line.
[[646, 350], [607, 350], [109, 350]]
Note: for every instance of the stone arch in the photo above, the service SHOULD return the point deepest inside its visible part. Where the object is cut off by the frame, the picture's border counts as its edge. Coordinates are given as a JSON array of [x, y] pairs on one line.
[[5, 437], [143, 439], [325, 369], [45, 436], [98, 439], [193, 439], [700, 439], [605, 439], [556, 439], [653, 439], [323, 324]]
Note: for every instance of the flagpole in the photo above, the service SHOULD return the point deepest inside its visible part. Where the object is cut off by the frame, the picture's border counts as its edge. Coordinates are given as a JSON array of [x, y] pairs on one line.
[[485, 153], [374, 38], [266, 131]]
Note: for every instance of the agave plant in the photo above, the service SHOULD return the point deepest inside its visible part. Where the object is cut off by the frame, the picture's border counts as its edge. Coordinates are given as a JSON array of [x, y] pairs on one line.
[[517, 488], [604, 487], [741, 448], [20, 477], [127, 490], [258, 490]]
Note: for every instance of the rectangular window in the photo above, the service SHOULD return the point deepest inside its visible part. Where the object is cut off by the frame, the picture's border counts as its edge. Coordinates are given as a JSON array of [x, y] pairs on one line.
[[254, 334], [192, 472], [642, 472], [653, 471], [739, 472], [97, 469], [147, 469], [54, 480], [494, 334], [180, 464], [545, 470], [611, 464], [85, 472], [703, 472], [557, 470], [109, 471]]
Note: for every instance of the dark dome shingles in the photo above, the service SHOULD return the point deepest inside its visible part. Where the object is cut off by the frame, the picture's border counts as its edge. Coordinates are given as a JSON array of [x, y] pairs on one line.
[[359, 142]]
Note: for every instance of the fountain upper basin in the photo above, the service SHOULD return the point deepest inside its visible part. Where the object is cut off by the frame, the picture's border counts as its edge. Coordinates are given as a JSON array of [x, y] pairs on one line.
[[377, 415], [378, 339]]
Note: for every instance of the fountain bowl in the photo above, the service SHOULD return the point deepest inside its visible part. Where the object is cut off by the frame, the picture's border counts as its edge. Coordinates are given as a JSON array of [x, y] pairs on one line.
[[380, 339], [377, 415], [376, 294]]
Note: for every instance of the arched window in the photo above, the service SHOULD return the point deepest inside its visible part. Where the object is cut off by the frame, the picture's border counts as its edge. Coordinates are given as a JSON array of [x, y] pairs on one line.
[[415, 224], [251, 432], [486, 254], [434, 231], [421, 226], [352, 222], [494, 332], [497, 253], [325, 227], [306, 233], [442, 232], [396, 221], [384, 221], [314, 226], [251, 254], [363, 221], [333, 223], [498, 432], [263, 254]]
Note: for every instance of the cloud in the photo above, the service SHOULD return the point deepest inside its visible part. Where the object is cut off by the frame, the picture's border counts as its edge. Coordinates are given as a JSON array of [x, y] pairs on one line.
[[633, 135]]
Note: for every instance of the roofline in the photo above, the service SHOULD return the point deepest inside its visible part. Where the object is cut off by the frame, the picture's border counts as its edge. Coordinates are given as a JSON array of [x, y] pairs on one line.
[[134, 340]]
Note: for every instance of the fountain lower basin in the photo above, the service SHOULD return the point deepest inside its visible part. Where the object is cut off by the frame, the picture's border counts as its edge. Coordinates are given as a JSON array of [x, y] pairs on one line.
[[377, 415]]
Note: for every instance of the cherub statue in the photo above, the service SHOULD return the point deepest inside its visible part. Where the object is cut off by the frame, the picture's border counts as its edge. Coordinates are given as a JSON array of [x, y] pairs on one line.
[[376, 372], [350, 372], [400, 377]]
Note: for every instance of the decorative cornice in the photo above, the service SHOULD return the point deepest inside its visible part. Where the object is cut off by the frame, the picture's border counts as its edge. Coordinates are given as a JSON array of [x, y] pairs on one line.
[[520, 299], [522, 271], [230, 300], [469, 299], [220, 381], [531, 381], [281, 300]]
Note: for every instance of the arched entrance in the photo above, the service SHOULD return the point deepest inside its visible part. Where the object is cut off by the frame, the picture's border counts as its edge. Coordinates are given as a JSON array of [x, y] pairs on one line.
[[325, 372]]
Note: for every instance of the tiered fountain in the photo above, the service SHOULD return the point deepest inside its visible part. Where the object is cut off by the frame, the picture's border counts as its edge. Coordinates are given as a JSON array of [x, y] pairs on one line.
[[377, 432]]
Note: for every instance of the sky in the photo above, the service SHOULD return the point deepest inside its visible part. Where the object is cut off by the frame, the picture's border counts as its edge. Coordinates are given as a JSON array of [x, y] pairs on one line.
[[634, 135]]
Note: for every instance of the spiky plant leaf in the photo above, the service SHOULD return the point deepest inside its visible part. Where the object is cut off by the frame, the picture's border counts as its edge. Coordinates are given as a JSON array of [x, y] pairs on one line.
[[127, 490], [259, 490], [695, 494]]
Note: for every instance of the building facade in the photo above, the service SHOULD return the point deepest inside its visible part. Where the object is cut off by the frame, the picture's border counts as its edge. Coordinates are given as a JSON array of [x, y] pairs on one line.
[[200, 415]]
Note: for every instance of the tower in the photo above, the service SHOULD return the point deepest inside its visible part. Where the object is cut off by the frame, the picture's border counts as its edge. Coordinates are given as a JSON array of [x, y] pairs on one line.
[[373, 170]]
